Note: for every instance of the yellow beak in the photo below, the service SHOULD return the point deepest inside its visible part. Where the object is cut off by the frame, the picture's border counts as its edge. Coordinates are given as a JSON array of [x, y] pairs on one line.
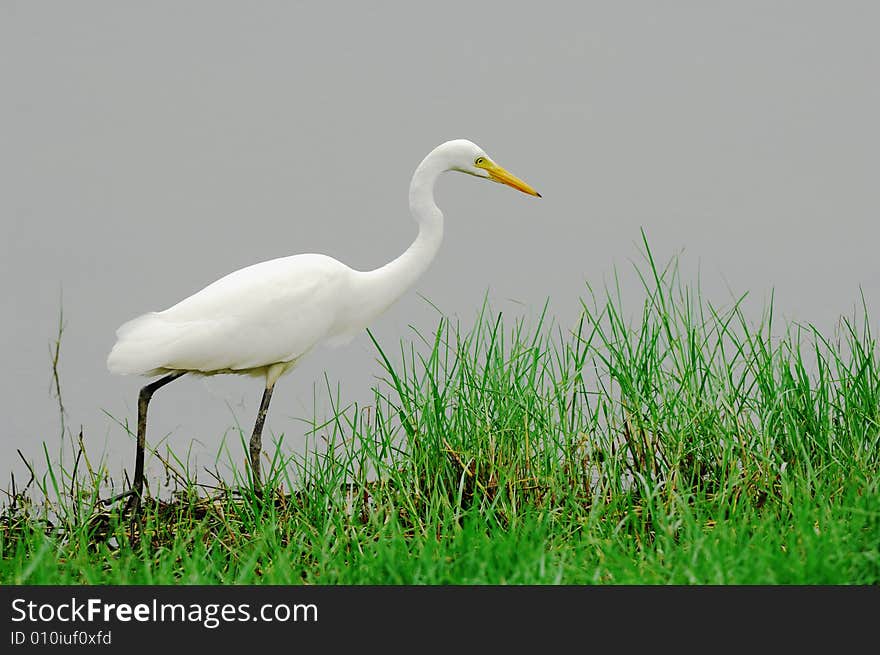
[[498, 174]]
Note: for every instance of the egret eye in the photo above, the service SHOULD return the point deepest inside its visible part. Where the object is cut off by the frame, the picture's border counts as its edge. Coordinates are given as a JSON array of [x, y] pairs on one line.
[[479, 160]]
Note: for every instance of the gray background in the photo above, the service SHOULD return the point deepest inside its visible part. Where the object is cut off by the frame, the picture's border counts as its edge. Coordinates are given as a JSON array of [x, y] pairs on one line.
[[146, 149]]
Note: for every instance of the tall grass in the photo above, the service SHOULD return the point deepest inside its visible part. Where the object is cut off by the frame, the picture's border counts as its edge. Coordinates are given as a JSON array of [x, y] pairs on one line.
[[684, 443]]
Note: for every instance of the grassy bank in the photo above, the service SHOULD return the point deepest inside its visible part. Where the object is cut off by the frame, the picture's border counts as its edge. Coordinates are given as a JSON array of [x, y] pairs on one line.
[[677, 442]]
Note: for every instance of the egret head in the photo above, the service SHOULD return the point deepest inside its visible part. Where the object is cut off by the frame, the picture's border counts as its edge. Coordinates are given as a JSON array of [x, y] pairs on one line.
[[467, 157]]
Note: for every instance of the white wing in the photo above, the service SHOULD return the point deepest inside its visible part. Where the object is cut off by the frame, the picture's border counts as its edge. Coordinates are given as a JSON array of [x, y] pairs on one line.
[[271, 312]]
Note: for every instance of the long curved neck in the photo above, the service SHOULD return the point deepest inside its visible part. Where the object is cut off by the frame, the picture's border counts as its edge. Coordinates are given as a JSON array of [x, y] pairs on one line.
[[386, 284]]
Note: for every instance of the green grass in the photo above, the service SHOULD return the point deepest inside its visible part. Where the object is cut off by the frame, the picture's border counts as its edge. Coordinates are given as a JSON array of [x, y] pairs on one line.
[[684, 445]]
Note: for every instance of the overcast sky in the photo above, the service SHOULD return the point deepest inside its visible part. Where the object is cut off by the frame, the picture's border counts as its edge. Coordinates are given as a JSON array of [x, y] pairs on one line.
[[147, 149]]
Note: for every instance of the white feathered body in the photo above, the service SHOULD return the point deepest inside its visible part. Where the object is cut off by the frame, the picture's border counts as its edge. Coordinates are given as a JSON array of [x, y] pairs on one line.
[[270, 313], [261, 319]]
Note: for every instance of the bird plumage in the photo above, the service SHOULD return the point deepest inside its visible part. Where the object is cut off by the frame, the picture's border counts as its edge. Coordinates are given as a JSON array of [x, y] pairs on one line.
[[267, 313]]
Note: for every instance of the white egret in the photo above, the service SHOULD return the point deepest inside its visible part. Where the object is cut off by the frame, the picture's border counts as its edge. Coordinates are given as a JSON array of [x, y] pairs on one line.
[[262, 319]]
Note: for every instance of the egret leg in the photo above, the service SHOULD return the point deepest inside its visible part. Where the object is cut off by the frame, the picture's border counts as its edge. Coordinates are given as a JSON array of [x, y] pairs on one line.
[[137, 487], [256, 445]]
